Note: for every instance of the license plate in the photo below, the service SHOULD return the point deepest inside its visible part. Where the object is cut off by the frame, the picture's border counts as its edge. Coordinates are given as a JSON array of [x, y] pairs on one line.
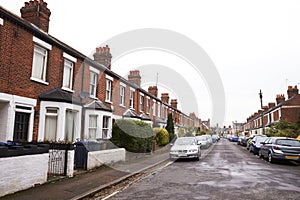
[[182, 155], [291, 157]]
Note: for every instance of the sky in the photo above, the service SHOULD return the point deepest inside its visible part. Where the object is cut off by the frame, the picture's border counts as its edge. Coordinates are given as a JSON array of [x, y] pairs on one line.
[[253, 44]]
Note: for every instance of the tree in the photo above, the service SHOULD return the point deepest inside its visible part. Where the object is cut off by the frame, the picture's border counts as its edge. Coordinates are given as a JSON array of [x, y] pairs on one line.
[[283, 128], [170, 127]]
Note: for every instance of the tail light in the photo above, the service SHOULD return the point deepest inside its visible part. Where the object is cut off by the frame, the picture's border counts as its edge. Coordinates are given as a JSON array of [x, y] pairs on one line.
[[276, 148]]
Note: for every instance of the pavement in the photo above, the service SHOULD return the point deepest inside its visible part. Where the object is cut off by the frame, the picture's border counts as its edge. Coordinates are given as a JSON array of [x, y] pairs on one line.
[[86, 182]]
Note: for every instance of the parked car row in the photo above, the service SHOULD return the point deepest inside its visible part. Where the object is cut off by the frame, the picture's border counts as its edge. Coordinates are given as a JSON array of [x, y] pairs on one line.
[[275, 148], [190, 147]]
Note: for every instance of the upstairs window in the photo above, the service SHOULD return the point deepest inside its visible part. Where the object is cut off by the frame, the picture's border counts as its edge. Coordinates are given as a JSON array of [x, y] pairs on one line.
[[141, 103], [122, 95], [148, 106], [39, 64], [131, 99], [108, 90], [93, 83], [68, 74]]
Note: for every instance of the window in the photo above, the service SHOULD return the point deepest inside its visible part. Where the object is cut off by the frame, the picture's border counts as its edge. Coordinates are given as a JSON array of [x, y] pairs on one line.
[[131, 100], [39, 64], [162, 111], [68, 74], [92, 126], [158, 109], [108, 90], [148, 105], [105, 126], [141, 103], [122, 95], [93, 83], [154, 108], [51, 124], [71, 125]]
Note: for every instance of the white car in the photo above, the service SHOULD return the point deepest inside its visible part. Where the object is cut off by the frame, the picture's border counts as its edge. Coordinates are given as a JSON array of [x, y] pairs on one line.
[[185, 147]]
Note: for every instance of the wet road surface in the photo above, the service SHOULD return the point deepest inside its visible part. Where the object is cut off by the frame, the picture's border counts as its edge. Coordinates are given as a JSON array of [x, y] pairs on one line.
[[228, 171]]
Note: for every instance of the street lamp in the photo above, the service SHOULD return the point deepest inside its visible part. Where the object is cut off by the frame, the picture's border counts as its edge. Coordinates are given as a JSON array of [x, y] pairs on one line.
[[262, 114]]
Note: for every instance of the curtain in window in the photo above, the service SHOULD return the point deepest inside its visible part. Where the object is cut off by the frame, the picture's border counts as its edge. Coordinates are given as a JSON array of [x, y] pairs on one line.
[[105, 126], [38, 63], [50, 128], [70, 125], [68, 68], [92, 126]]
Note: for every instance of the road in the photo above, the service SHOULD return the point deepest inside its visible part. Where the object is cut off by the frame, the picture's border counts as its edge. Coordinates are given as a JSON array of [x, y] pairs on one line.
[[227, 172]]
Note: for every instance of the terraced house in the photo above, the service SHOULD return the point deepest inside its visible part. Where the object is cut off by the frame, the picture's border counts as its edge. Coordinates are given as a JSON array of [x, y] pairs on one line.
[[285, 109], [49, 91]]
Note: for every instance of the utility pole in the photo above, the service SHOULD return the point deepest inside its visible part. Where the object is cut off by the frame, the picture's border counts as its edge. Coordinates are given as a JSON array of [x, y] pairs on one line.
[[262, 114]]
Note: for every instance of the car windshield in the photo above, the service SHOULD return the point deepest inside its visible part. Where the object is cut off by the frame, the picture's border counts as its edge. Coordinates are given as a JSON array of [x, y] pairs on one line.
[[185, 141], [201, 138], [261, 139], [292, 143]]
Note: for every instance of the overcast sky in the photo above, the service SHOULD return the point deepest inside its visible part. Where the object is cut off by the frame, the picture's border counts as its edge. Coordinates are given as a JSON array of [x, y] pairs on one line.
[[254, 44]]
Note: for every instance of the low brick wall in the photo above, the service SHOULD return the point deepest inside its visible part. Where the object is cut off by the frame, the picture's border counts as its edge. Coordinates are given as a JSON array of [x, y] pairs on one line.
[[98, 158], [22, 172]]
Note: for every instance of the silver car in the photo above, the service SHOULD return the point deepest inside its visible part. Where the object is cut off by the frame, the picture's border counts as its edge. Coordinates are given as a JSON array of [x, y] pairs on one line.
[[185, 147]]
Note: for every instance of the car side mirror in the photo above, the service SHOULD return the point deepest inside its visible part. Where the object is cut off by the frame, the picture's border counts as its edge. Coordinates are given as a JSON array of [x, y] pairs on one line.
[[198, 143], [171, 144]]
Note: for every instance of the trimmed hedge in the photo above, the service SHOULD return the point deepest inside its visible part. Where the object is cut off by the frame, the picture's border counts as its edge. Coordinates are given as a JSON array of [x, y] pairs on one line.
[[161, 136], [134, 136]]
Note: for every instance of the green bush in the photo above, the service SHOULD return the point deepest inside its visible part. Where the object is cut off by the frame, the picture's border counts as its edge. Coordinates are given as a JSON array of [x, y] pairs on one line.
[[161, 136], [134, 136]]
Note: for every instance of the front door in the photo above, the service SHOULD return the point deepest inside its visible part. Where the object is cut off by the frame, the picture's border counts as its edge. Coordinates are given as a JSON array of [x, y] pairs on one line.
[[21, 126]]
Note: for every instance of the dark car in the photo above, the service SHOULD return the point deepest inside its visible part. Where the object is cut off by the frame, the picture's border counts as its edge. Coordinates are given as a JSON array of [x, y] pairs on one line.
[[280, 148], [256, 143]]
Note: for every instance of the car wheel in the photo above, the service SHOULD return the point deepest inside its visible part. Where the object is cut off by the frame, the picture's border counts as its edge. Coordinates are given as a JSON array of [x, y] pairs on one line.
[[260, 155], [270, 158]]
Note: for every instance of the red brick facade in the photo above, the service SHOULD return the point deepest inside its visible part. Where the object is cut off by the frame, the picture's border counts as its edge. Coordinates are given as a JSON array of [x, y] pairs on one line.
[[18, 39]]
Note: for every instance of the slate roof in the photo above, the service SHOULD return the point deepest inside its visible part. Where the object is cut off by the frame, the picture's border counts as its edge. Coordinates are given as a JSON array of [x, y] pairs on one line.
[[59, 95], [130, 114], [97, 105]]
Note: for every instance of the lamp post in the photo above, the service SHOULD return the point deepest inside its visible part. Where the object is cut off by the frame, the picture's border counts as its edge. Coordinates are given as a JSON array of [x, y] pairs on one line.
[[262, 114]]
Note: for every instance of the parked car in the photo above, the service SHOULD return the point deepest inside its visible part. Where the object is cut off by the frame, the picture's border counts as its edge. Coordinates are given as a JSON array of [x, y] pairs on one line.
[[185, 147], [280, 148], [243, 140], [204, 140], [215, 138], [234, 138], [256, 143]]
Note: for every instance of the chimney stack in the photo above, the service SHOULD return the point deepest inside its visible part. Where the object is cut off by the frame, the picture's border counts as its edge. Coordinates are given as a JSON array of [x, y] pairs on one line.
[[271, 104], [280, 98], [37, 13], [153, 90], [134, 77], [165, 97], [292, 91], [174, 103], [103, 56]]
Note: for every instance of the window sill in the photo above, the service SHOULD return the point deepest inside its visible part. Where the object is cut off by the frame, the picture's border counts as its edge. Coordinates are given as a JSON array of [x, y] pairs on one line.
[[39, 80], [67, 89], [123, 106], [106, 101]]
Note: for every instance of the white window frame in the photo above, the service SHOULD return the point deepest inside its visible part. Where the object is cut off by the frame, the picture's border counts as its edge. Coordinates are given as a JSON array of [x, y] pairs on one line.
[[95, 128], [105, 126], [122, 95], [131, 98], [39, 51], [95, 72], [108, 90], [51, 114], [158, 109], [141, 102], [148, 105], [154, 108], [68, 65]]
